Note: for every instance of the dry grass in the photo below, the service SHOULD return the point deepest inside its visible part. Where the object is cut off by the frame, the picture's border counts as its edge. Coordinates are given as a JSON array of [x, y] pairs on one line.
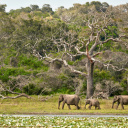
[[35, 106]]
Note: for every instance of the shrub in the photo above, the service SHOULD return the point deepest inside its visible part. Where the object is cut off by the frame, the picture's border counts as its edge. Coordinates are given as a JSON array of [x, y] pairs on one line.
[[101, 75], [32, 89], [32, 63], [6, 72], [124, 84]]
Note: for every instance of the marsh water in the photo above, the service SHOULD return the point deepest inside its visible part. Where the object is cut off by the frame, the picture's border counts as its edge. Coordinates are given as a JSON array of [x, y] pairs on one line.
[[66, 115]]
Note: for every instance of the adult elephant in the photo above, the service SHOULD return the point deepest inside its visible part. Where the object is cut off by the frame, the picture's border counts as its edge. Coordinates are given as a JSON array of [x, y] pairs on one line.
[[69, 100], [120, 99]]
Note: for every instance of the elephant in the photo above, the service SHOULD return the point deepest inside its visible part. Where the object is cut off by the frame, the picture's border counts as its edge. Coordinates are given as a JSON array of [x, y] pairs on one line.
[[120, 99], [92, 102], [69, 100]]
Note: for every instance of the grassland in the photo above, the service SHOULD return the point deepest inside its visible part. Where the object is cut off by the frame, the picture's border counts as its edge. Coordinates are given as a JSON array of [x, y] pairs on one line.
[[35, 105]]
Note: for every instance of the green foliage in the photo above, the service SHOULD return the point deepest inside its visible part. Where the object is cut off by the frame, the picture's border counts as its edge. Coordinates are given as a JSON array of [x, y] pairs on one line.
[[124, 83], [63, 90], [34, 7], [66, 85], [6, 72], [38, 14], [117, 75], [125, 92], [70, 62], [107, 45], [2, 7], [87, 3], [97, 4], [79, 58], [32, 63], [63, 77], [100, 75], [100, 6], [32, 89], [111, 31], [84, 87], [31, 28], [47, 9]]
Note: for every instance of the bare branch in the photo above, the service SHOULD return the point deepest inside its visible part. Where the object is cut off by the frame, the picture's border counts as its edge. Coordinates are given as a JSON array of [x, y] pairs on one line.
[[79, 52], [121, 36], [110, 39], [115, 68], [97, 54], [73, 70], [10, 91], [20, 95]]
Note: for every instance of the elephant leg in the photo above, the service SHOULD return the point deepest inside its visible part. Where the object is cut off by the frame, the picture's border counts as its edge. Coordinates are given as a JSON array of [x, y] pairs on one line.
[[85, 105], [63, 104], [77, 107], [117, 104], [122, 106], [90, 106], [68, 106]]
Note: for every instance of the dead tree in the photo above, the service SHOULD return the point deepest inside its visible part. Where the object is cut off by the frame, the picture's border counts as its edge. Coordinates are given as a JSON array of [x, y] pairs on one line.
[[4, 88], [97, 25]]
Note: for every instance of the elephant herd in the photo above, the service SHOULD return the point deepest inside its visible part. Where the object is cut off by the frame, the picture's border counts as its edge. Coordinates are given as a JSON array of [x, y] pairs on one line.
[[74, 100]]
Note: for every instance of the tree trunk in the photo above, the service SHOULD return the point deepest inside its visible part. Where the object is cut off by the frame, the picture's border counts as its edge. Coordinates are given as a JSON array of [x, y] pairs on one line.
[[90, 87]]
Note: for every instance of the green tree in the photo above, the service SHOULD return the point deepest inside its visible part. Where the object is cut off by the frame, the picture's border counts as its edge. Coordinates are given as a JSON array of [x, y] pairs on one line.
[[47, 9], [34, 7], [2, 7], [97, 4]]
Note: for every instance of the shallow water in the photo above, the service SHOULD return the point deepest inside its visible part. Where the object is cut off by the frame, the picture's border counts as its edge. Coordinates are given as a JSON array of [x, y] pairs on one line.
[[66, 115]]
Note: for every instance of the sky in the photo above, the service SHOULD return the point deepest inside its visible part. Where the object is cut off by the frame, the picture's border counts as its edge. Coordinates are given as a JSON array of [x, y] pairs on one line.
[[17, 4]]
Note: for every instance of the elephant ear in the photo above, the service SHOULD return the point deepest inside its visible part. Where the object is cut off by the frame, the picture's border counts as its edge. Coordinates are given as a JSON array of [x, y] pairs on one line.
[[118, 97], [62, 96], [115, 97]]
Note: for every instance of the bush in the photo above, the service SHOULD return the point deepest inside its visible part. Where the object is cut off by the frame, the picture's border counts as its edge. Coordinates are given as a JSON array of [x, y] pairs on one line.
[[124, 84], [32, 89], [6, 72], [32, 63], [101, 75]]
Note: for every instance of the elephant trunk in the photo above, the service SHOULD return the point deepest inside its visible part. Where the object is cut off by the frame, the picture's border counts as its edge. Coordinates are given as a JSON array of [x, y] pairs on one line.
[[59, 104]]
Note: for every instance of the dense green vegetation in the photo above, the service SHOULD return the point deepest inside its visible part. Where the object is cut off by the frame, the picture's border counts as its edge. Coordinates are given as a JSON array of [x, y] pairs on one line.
[[29, 34]]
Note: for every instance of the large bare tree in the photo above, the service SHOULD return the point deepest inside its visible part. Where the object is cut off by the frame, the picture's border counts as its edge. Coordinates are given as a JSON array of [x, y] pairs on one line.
[[90, 47]]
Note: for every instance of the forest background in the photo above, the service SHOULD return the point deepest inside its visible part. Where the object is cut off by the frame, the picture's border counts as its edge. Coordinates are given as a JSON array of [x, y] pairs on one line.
[[45, 52]]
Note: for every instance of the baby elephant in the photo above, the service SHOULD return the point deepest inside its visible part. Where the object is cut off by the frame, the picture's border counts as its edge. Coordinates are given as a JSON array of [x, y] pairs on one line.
[[92, 102]]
